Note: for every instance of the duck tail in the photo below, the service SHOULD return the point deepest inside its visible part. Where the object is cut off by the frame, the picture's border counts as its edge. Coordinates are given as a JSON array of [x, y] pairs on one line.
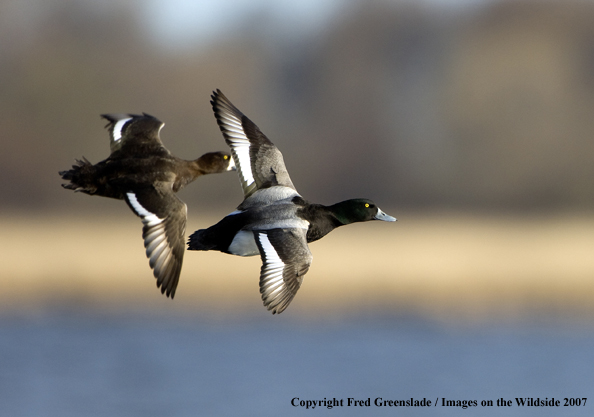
[[80, 177], [217, 237], [199, 241]]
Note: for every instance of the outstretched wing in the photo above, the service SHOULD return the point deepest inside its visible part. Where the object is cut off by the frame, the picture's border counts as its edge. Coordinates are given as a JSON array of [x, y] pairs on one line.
[[132, 133], [259, 163], [164, 218], [285, 260]]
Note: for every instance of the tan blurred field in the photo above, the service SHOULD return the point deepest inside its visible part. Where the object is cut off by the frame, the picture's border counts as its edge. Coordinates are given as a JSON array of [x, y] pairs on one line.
[[452, 266]]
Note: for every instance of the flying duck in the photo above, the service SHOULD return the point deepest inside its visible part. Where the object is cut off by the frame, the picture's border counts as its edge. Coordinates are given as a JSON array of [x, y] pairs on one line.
[[273, 220], [141, 171]]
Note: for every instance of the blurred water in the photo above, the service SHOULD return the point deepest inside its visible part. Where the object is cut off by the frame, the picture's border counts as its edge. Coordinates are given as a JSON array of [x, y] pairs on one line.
[[140, 365]]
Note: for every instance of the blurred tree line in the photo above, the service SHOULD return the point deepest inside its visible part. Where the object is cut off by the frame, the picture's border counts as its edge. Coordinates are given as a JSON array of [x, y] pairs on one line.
[[488, 107]]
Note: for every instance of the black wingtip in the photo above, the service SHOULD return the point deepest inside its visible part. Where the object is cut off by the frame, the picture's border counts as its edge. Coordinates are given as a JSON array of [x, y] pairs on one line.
[[169, 293], [217, 95], [110, 117], [149, 115], [213, 97]]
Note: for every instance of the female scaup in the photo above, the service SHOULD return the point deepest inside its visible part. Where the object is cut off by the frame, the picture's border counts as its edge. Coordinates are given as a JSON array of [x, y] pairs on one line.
[[141, 171], [273, 220]]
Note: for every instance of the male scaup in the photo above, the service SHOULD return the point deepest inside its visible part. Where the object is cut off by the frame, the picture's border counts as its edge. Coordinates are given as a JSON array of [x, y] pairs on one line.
[[273, 220], [141, 171]]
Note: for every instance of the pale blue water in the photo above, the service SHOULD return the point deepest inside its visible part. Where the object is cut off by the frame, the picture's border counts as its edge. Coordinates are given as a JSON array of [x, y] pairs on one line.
[[72, 364]]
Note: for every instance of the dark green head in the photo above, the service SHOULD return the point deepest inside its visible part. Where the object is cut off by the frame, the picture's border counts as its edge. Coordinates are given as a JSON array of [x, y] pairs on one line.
[[359, 210]]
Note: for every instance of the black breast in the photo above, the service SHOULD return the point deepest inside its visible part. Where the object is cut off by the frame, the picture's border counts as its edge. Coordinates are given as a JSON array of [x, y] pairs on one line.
[[321, 220]]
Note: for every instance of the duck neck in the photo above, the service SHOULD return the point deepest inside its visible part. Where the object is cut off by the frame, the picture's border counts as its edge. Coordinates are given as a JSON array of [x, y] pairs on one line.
[[322, 221], [343, 212], [196, 168], [187, 171]]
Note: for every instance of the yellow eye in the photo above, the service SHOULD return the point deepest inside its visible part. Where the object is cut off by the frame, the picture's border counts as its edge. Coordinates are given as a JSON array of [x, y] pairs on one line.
[[366, 205], [225, 157]]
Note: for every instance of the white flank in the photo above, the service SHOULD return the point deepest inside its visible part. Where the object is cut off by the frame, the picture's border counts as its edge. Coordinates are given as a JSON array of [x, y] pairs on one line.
[[148, 218], [117, 128], [244, 244]]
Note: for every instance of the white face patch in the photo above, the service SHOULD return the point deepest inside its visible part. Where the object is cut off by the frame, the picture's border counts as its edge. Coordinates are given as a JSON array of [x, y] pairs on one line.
[[231, 166], [148, 218], [117, 128]]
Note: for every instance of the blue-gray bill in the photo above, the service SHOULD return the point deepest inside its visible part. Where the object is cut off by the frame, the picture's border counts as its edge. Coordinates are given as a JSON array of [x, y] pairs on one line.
[[383, 216]]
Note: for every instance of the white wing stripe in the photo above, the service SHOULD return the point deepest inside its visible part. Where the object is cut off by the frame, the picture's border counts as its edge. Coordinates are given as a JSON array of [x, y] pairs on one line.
[[274, 266], [117, 128], [240, 145], [269, 251], [243, 160], [148, 218]]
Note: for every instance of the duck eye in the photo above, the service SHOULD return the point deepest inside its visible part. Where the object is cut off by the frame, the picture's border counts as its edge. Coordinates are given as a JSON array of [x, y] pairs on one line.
[[225, 157], [366, 205]]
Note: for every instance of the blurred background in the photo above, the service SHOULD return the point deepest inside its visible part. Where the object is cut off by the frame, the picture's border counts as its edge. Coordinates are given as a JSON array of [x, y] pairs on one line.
[[470, 121]]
